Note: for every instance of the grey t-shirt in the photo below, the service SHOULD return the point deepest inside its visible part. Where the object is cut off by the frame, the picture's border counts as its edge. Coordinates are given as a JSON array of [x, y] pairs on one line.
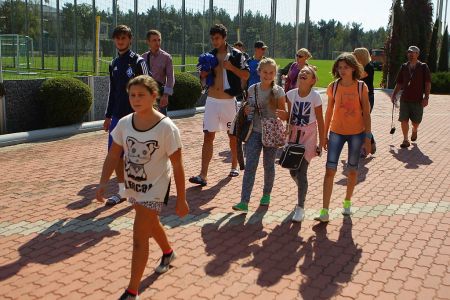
[[266, 110]]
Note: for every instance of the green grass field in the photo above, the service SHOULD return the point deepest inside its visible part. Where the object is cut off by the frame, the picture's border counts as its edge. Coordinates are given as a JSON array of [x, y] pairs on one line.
[[85, 64]]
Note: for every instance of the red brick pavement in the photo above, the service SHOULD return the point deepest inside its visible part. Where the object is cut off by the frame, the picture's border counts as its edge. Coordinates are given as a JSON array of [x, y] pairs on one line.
[[57, 242]]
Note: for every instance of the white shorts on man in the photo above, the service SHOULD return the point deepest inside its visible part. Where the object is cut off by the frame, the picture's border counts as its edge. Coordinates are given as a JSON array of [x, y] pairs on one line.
[[219, 114]]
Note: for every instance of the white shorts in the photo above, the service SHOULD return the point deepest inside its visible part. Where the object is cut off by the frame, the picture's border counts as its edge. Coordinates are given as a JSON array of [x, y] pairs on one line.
[[219, 114]]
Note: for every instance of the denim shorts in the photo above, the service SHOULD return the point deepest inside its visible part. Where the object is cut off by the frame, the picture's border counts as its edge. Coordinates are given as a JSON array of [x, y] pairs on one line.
[[336, 143]]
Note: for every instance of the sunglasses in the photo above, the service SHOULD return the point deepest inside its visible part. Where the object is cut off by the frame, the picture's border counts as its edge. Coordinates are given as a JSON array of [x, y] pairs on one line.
[[299, 56]]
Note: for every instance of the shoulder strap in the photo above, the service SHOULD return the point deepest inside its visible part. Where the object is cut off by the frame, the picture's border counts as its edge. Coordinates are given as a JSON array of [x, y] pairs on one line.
[[360, 89], [335, 87], [256, 96]]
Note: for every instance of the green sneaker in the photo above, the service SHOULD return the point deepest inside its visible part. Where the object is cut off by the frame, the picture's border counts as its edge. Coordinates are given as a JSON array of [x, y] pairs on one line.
[[324, 216], [265, 200], [241, 206], [347, 211]]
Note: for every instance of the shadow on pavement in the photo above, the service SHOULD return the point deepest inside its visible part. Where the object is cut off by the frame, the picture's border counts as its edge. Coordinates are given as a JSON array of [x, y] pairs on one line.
[[363, 170], [64, 239], [232, 241], [413, 157], [88, 194], [328, 264], [279, 253]]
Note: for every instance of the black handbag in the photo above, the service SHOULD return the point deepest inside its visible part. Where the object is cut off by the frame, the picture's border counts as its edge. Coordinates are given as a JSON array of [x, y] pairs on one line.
[[293, 153]]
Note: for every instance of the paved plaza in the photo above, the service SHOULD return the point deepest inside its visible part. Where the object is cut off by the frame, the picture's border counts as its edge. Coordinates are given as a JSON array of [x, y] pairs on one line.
[[57, 242]]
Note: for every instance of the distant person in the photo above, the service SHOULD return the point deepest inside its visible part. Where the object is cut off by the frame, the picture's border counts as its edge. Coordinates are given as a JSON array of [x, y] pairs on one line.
[[221, 104], [124, 67], [301, 60], [152, 146], [160, 64], [347, 120], [363, 57], [414, 79], [260, 49], [240, 46]]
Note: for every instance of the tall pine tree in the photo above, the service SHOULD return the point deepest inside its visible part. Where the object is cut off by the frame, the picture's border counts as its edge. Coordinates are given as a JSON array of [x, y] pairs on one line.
[[418, 24], [433, 55], [395, 45], [443, 57]]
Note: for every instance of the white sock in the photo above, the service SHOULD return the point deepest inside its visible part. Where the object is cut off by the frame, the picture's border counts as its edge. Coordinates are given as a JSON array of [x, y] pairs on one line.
[[122, 189]]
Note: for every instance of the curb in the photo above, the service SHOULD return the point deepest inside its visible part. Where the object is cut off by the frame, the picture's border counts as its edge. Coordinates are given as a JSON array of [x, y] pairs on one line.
[[65, 131]]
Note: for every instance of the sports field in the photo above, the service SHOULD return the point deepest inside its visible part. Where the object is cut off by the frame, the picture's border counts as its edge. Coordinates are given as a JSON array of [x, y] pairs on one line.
[[85, 68]]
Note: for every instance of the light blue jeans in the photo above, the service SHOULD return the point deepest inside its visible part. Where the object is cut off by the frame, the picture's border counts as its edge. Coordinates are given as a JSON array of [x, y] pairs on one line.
[[253, 149], [336, 143]]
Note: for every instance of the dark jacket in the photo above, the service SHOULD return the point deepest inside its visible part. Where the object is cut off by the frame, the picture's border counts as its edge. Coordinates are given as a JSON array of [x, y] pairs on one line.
[[238, 60], [123, 68]]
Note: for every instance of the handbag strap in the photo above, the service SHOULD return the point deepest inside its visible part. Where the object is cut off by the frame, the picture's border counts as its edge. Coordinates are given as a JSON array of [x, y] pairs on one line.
[[256, 99]]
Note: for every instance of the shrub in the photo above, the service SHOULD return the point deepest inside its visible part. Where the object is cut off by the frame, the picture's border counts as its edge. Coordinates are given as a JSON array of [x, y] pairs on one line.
[[65, 101], [440, 83], [186, 91]]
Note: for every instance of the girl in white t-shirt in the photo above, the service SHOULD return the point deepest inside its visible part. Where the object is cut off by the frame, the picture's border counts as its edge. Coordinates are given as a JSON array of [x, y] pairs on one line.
[[149, 141], [305, 105]]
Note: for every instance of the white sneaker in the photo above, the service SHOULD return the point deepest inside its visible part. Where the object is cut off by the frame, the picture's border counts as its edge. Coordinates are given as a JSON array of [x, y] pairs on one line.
[[347, 208], [299, 214], [324, 218]]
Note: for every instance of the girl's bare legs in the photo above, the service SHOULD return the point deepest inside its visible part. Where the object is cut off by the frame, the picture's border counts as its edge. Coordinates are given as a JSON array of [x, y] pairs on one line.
[[351, 182], [146, 225], [328, 187]]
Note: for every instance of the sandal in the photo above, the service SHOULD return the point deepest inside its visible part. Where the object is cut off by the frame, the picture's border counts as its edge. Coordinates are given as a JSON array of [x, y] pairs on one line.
[[234, 173], [114, 199], [198, 180], [405, 144]]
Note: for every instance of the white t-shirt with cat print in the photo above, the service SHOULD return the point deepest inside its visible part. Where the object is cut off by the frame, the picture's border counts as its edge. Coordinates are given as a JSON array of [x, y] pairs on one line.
[[146, 158]]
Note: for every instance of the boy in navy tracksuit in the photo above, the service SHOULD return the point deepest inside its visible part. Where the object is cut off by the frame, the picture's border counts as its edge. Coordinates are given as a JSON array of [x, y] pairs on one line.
[[125, 66]]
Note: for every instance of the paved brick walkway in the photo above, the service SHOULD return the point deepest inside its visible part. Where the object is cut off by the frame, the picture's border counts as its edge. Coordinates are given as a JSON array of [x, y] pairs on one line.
[[57, 242]]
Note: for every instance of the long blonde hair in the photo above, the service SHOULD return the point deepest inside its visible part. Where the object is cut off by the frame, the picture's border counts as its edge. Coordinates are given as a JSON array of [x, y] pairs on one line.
[[267, 61], [362, 55]]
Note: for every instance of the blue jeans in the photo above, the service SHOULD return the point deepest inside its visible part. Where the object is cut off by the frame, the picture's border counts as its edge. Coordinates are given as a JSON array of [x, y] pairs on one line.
[[253, 149], [336, 143]]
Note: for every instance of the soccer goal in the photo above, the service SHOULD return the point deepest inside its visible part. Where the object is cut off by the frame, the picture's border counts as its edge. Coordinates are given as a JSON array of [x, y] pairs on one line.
[[16, 54]]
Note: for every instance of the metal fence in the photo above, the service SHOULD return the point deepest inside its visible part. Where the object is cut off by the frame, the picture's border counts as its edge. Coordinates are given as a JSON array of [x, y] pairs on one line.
[[62, 33]]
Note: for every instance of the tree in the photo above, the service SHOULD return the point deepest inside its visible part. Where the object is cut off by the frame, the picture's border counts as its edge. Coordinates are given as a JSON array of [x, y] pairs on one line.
[[443, 57], [395, 45], [433, 55], [418, 24]]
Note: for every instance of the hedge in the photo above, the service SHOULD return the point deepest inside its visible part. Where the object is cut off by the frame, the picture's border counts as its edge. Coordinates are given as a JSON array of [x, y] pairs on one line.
[[65, 101], [440, 83], [186, 91]]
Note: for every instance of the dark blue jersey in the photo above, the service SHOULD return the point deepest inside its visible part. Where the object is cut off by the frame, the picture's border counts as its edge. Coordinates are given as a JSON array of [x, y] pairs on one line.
[[123, 68]]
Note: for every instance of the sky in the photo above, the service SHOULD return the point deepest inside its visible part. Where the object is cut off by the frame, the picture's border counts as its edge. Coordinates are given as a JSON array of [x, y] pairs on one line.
[[372, 14]]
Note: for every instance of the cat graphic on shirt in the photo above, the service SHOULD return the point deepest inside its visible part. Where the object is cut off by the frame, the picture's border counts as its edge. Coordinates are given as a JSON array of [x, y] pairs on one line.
[[139, 153]]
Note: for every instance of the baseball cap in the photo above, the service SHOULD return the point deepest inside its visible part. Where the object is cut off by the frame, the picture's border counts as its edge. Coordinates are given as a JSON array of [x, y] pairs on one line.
[[260, 44], [414, 49]]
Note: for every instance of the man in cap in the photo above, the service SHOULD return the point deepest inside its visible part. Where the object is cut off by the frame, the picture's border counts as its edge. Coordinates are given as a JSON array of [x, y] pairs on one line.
[[414, 79], [260, 49]]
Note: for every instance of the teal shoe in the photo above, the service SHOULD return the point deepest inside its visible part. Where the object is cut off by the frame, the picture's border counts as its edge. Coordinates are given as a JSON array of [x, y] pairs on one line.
[[265, 200], [241, 206]]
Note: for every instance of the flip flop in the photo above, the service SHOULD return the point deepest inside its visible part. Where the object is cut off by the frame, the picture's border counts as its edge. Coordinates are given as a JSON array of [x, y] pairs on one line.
[[198, 180], [234, 173], [114, 199]]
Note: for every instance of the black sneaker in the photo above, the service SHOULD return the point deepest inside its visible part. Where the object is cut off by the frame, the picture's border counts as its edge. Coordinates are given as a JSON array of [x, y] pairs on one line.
[[166, 259], [127, 296]]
